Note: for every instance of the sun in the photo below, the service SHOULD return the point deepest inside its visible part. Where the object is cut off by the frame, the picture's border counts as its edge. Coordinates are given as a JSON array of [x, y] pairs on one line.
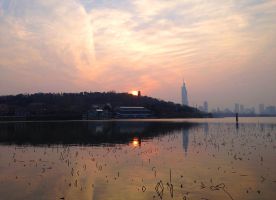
[[134, 92], [135, 142]]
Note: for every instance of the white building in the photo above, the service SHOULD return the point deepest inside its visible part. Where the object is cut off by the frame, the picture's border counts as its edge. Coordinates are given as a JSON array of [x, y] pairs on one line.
[[184, 95]]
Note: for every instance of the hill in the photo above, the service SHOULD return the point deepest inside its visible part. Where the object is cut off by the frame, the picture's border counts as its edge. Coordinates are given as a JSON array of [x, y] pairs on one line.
[[74, 105]]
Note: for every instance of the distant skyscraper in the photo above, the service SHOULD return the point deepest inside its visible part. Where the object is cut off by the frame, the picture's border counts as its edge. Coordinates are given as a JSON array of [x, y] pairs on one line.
[[261, 109], [253, 110], [237, 108], [184, 95], [205, 104], [241, 108]]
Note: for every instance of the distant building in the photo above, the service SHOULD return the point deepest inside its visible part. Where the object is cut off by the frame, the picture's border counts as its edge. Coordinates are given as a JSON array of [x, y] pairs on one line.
[[227, 111], [261, 109], [241, 108], [253, 110], [214, 110], [201, 108], [270, 110], [204, 107], [133, 112], [184, 95], [249, 111], [237, 108], [205, 104]]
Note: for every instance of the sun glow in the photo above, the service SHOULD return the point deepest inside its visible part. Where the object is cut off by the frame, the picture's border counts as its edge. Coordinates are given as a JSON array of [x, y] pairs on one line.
[[134, 92], [135, 142]]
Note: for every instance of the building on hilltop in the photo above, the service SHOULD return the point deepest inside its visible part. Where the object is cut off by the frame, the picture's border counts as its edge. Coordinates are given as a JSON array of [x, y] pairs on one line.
[[184, 95]]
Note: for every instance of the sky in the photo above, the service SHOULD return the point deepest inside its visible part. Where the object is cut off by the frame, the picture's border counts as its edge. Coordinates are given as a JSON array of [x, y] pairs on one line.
[[225, 51]]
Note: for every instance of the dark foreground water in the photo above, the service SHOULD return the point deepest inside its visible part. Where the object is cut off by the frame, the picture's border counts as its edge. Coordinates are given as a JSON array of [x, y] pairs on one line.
[[170, 159]]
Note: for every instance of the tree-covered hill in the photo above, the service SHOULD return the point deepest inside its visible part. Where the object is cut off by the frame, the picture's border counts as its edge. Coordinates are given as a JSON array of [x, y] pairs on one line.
[[73, 105]]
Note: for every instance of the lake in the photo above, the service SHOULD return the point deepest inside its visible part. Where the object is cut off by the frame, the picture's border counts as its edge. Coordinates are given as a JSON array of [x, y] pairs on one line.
[[188, 159]]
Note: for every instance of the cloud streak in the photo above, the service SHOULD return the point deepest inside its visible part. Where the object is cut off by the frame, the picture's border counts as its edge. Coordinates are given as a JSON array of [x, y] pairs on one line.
[[148, 45]]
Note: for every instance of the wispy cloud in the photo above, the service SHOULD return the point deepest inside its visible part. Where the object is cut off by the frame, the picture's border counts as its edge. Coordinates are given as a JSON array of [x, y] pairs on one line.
[[45, 41], [147, 44]]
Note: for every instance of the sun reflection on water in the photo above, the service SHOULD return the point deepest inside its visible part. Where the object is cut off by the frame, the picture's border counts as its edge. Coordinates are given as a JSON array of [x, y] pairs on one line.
[[136, 142]]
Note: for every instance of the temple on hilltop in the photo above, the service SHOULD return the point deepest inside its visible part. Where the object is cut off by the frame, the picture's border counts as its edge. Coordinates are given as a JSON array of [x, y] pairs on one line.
[[184, 95]]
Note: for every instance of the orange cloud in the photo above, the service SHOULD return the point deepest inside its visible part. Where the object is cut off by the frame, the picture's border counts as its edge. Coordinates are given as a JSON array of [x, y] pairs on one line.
[[151, 45]]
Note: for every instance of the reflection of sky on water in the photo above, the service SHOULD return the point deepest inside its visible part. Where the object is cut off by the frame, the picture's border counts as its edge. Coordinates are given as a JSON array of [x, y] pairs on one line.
[[140, 156]]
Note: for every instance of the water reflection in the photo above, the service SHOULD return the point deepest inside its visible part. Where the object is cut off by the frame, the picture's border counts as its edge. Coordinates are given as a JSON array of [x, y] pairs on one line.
[[136, 142], [185, 139], [237, 125], [206, 128], [137, 161], [84, 133]]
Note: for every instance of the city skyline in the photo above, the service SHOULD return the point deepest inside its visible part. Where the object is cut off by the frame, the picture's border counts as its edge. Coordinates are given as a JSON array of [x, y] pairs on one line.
[[260, 109], [242, 109], [224, 49]]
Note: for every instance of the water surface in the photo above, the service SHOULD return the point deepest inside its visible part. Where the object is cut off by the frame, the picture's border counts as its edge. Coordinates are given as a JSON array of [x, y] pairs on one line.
[[139, 159]]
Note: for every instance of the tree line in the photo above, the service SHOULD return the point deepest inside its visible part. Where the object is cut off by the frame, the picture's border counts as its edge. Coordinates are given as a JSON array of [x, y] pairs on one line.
[[74, 105]]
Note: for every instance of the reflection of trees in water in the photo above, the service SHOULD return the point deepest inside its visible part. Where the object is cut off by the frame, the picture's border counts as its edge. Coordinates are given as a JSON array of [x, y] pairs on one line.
[[84, 133]]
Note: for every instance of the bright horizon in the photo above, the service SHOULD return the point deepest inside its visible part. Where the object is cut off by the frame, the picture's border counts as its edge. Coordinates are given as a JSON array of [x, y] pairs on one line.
[[224, 50]]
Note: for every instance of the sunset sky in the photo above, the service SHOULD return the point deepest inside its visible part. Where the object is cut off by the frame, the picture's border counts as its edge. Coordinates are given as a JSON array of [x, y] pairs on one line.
[[225, 50]]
